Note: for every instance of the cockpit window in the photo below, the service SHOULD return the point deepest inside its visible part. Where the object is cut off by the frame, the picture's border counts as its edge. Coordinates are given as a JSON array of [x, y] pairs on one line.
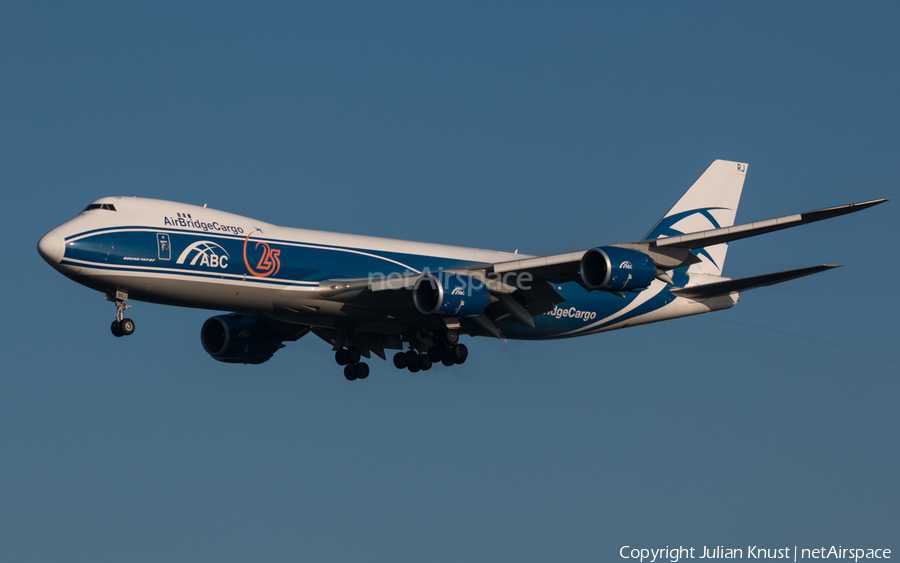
[[106, 206]]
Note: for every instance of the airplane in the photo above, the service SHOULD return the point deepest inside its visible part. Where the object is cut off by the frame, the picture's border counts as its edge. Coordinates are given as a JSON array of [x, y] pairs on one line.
[[364, 295]]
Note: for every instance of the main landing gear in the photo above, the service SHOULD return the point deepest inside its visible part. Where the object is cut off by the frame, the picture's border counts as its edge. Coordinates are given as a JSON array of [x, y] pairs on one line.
[[121, 326], [353, 368], [447, 355], [448, 352], [445, 348]]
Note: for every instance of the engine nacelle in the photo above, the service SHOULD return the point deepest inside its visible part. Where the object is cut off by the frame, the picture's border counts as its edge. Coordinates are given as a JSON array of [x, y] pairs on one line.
[[610, 268], [238, 339], [450, 295]]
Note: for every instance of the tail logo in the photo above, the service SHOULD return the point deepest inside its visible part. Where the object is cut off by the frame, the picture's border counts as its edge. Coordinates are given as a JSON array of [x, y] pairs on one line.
[[666, 227], [269, 262]]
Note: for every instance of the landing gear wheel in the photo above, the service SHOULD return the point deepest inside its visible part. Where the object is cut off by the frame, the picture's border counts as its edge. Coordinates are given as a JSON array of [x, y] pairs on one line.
[[424, 362], [400, 360], [353, 355], [452, 337], [342, 357], [116, 329], [362, 370], [460, 353], [350, 372], [412, 362], [447, 358], [127, 327]]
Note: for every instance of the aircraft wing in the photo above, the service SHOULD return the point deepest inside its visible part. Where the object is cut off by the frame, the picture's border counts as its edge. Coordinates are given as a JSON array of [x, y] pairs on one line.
[[743, 284], [329, 289], [667, 253], [510, 304], [716, 236], [673, 252]]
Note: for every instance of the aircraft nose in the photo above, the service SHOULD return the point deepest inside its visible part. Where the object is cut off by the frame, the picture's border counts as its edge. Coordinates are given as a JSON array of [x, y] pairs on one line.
[[50, 247]]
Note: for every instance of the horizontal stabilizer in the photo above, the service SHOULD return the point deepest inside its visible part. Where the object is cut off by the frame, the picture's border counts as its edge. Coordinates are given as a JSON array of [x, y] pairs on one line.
[[703, 239], [743, 284]]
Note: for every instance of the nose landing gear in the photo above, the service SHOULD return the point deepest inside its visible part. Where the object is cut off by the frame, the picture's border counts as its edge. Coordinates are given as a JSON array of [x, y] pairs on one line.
[[122, 326]]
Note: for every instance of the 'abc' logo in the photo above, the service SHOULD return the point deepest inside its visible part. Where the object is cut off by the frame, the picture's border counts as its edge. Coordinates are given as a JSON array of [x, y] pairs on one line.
[[205, 253]]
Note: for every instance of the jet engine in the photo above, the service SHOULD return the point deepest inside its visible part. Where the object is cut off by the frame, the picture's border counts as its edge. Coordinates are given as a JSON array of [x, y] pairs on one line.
[[610, 268], [238, 339], [450, 295]]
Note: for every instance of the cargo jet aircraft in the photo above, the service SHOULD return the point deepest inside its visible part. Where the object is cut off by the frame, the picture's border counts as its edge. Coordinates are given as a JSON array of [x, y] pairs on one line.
[[364, 295]]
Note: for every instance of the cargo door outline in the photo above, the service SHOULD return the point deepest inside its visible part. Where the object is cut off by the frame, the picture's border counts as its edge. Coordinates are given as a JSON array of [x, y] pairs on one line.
[[164, 245]]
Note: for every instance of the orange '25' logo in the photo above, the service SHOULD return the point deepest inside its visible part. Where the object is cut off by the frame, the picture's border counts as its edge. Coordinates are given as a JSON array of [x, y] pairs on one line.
[[269, 262]]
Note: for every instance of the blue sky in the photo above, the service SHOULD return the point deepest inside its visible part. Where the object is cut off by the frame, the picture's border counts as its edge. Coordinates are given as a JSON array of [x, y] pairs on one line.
[[535, 126]]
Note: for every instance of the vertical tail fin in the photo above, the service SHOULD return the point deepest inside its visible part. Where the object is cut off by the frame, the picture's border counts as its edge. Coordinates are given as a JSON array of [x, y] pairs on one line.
[[710, 203]]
